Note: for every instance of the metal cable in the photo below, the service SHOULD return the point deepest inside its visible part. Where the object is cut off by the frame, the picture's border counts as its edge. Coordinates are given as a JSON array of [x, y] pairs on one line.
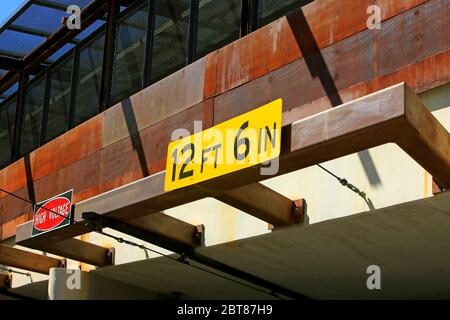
[[121, 240], [182, 260], [344, 182]]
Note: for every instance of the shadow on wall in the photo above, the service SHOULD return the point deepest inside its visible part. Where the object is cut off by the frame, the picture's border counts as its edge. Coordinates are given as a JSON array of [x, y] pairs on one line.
[[133, 131], [318, 69]]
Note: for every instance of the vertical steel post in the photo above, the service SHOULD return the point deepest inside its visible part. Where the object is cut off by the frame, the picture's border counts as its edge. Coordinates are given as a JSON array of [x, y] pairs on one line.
[[192, 36], [151, 12], [108, 55], [18, 122]]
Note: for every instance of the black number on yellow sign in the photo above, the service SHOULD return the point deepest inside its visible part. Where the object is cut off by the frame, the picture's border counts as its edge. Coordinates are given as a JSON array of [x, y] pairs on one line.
[[183, 174], [238, 142]]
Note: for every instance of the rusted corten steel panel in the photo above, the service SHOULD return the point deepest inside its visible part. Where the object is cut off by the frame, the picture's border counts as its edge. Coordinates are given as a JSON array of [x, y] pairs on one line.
[[346, 63], [392, 115], [70, 147], [14, 207], [144, 153], [275, 45], [82, 176], [9, 228], [413, 35], [161, 100]]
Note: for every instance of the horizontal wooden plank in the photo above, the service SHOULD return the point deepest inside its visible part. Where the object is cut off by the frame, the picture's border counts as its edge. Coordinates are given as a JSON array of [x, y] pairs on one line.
[[71, 248], [26, 260], [171, 228], [261, 202]]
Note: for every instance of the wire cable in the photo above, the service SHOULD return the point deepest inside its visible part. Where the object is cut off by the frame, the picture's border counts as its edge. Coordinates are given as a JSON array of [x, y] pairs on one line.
[[182, 259], [344, 182]]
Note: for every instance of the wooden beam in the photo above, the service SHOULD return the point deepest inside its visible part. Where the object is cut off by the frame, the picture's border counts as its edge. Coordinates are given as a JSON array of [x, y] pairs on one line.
[[5, 281], [263, 203], [172, 228], [387, 116], [22, 259], [70, 248]]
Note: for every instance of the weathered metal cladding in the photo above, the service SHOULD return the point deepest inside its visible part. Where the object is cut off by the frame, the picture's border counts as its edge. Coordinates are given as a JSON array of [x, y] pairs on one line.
[[144, 153], [8, 229], [161, 100], [345, 63], [14, 207], [83, 176], [276, 45], [413, 36], [69, 148]]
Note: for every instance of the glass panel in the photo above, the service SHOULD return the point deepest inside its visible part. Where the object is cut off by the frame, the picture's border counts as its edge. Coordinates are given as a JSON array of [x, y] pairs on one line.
[[271, 10], [129, 54], [7, 114], [89, 79], [219, 24], [80, 3], [18, 43], [41, 18], [89, 30], [171, 37], [32, 116], [58, 109], [59, 53]]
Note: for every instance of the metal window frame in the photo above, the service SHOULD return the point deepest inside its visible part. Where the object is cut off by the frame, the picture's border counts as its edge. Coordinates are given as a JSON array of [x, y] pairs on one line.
[[30, 83], [23, 80], [151, 13], [101, 31], [4, 105], [131, 9]]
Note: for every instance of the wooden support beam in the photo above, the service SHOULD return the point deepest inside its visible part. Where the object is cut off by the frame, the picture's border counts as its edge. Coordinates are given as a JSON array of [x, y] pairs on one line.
[[392, 115], [262, 202], [30, 261], [171, 228], [5, 281], [70, 248]]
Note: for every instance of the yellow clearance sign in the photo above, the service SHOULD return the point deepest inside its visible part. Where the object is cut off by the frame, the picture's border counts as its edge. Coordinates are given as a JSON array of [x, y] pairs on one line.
[[242, 142]]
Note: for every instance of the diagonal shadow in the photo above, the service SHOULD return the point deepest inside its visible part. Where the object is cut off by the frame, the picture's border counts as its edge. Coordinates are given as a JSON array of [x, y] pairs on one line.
[[133, 131], [29, 178], [313, 57], [318, 68]]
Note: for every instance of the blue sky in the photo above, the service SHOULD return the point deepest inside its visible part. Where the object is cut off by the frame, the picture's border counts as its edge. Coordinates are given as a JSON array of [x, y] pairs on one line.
[[7, 7]]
